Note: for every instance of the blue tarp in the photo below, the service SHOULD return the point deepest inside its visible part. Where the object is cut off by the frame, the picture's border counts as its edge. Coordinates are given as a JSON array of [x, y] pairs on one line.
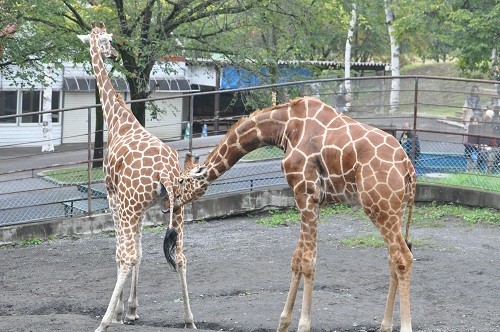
[[234, 77]]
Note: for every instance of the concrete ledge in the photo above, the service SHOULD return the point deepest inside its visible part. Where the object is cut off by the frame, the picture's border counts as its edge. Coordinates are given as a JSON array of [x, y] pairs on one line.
[[222, 206]]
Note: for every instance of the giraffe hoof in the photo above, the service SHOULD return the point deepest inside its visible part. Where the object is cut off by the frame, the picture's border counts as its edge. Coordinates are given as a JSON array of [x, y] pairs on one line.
[[190, 326], [132, 317]]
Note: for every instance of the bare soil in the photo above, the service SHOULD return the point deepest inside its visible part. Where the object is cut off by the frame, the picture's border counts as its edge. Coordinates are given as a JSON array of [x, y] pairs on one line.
[[238, 276]]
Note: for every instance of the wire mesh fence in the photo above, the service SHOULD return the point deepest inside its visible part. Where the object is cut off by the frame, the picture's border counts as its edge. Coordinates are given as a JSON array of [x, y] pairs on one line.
[[36, 186]]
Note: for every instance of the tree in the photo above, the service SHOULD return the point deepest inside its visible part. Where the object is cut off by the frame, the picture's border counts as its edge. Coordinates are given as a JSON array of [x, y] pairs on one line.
[[145, 33], [395, 54]]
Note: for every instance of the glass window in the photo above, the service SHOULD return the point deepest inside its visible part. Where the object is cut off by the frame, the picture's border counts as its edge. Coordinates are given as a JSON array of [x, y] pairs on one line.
[[55, 105], [8, 105], [30, 103]]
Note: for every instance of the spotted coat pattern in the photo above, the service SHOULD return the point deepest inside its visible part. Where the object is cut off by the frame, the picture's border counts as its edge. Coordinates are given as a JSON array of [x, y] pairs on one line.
[[136, 166], [328, 158]]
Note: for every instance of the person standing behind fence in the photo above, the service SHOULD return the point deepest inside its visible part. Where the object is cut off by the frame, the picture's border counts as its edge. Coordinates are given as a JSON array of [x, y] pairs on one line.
[[472, 106], [489, 151], [471, 143], [406, 141], [342, 98]]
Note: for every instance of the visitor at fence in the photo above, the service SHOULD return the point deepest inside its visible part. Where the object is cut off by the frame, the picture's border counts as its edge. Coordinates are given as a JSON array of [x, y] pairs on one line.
[[472, 106], [406, 141], [489, 144], [342, 98], [471, 143]]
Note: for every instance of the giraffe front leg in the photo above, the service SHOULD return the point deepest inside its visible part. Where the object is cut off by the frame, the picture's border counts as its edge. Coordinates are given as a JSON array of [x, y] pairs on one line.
[[286, 315], [177, 222], [188, 315], [309, 271], [110, 311]]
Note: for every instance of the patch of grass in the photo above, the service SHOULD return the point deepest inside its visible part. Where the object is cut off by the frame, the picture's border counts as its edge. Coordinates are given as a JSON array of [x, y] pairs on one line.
[[289, 216], [438, 214], [266, 152], [35, 240], [156, 229], [280, 217], [371, 240], [74, 175], [470, 180]]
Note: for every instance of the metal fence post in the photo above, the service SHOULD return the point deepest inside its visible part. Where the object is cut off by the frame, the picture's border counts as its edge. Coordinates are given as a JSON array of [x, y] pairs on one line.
[[89, 160], [415, 112]]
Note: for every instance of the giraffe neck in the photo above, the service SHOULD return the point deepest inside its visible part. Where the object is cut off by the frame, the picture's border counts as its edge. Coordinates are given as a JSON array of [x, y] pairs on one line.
[[262, 128], [106, 91]]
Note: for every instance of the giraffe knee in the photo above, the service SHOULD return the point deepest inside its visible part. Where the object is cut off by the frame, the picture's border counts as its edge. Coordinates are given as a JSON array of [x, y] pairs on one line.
[[402, 262]]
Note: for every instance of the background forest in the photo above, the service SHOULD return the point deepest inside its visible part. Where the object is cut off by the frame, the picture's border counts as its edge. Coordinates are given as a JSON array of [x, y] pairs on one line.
[[251, 33]]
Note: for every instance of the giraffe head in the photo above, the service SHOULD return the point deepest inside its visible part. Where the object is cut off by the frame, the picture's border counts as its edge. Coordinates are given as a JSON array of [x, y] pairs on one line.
[[103, 38], [193, 181]]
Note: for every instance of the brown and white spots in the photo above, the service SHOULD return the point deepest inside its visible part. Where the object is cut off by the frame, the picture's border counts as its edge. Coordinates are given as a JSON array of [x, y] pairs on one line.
[[329, 158], [136, 165]]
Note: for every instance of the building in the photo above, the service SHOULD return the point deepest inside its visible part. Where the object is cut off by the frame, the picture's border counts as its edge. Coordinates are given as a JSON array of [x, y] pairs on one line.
[[74, 87]]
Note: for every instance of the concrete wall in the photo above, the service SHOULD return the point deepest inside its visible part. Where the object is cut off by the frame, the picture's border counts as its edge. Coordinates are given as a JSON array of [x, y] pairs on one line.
[[222, 206]]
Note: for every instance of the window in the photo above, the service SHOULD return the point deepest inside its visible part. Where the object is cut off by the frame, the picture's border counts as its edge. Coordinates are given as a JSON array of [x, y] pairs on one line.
[[8, 105], [31, 101]]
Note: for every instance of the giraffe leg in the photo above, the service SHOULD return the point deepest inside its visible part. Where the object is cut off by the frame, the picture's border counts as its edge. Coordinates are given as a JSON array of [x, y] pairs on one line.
[[108, 316], [119, 308], [177, 221], [400, 266], [132, 300], [303, 263], [386, 325], [286, 315]]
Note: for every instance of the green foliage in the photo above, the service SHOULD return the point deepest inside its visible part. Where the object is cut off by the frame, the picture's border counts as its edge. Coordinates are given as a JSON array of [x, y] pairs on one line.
[[488, 182], [438, 214], [74, 175], [29, 241], [279, 217], [263, 153], [371, 240]]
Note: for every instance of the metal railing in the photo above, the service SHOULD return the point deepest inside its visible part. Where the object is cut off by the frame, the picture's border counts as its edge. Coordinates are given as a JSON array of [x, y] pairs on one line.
[[29, 192]]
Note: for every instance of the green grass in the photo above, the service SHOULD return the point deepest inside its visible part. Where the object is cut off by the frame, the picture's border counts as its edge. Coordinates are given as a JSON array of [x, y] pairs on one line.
[[371, 240], [266, 152], [288, 216], [74, 175], [435, 215], [470, 180], [426, 215]]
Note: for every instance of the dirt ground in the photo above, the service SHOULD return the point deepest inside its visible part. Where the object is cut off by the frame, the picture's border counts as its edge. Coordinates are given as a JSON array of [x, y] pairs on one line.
[[238, 277]]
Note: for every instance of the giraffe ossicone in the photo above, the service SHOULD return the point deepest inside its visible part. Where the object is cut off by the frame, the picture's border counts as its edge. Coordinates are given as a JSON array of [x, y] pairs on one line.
[[328, 158], [136, 165]]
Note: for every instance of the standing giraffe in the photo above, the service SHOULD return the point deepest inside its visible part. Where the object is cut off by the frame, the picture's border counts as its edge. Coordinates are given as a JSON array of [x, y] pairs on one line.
[[328, 158], [136, 165]]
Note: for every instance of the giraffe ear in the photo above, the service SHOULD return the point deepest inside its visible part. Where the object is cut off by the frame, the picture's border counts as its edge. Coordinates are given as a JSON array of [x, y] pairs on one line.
[[199, 172], [84, 38]]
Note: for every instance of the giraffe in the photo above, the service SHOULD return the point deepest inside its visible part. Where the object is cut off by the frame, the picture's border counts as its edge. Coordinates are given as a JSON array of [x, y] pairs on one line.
[[137, 167], [328, 158]]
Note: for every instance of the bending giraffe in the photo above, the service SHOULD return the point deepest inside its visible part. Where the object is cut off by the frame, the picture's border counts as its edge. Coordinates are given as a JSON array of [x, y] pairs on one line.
[[328, 158], [137, 166]]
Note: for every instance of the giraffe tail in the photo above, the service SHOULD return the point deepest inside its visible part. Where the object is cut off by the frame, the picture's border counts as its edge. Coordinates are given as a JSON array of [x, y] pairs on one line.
[[171, 236], [411, 185]]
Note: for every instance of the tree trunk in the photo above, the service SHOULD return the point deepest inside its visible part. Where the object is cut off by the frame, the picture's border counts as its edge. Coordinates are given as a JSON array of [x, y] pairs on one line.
[[347, 56], [395, 53]]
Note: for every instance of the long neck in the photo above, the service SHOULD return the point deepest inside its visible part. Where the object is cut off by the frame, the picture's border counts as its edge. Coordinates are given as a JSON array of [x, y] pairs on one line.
[[261, 128], [106, 90]]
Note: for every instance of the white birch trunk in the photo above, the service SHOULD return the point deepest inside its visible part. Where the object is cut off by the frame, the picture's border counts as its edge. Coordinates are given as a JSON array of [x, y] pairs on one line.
[[347, 56], [395, 52], [48, 144]]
